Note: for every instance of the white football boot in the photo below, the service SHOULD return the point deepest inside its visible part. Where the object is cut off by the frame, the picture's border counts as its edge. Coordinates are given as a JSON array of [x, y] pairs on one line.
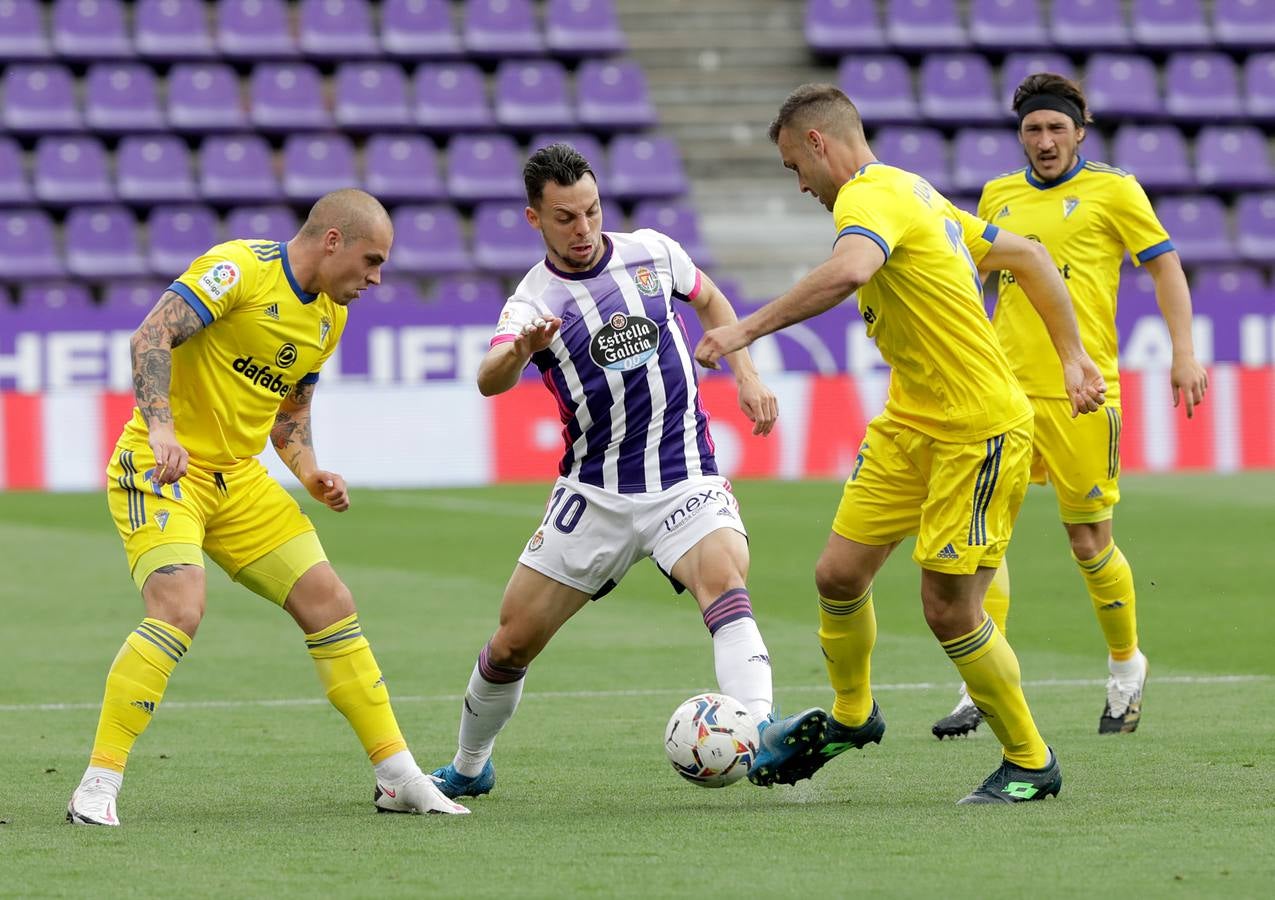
[[418, 794], [93, 803]]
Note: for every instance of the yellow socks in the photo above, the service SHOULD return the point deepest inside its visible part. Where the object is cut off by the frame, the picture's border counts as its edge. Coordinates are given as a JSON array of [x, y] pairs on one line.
[[990, 669], [847, 633], [1110, 582], [996, 601], [354, 685], [134, 687]]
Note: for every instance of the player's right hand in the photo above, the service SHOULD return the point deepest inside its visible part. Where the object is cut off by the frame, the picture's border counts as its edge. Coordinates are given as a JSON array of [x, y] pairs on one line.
[[537, 335], [1085, 385], [171, 458]]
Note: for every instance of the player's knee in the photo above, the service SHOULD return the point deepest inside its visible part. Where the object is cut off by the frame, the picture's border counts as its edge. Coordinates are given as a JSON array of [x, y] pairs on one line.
[[319, 598], [176, 594], [836, 582], [512, 649], [1086, 543]]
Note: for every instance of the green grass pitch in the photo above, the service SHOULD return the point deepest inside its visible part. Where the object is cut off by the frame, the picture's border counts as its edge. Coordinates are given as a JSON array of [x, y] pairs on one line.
[[248, 784]]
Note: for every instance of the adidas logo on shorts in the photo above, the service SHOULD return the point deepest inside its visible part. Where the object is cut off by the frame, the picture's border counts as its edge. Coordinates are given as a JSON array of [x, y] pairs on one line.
[[949, 552]]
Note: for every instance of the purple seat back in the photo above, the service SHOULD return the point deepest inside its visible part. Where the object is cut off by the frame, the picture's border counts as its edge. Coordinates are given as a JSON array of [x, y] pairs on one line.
[[1120, 85], [1255, 226], [1007, 24], [498, 28], [178, 234], [583, 28], [613, 95], [919, 150], [57, 303], [837, 26], [204, 97], [14, 188], [1018, 66], [28, 247], [1094, 146], [1089, 25], [131, 299], [916, 25], [484, 167], [336, 29], [585, 144], [102, 242], [475, 291], [1155, 154], [957, 88], [981, 154], [678, 220], [1243, 24], [288, 97], [1228, 284], [237, 168], [153, 169], [503, 241], [122, 97], [1232, 158], [402, 167], [22, 34], [532, 95], [1169, 24], [880, 85], [1259, 83], [274, 223], [314, 164], [419, 29], [90, 29], [429, 240], [39, 99], [172, 29], [71, 170], [254, 30], [371, 95], [1197, 225], [451, 97], [1202, 86], [646, 167]]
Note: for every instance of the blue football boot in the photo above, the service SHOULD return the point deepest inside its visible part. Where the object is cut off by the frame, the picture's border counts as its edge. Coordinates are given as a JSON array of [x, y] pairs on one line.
[[783, 746], [454, 784]]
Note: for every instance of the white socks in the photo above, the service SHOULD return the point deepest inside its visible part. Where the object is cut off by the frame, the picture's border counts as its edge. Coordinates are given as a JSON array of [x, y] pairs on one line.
[[743, 666]]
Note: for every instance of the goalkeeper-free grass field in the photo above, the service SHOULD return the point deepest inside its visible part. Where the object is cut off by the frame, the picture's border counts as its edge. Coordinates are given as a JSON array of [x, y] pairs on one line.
[[248, 784]]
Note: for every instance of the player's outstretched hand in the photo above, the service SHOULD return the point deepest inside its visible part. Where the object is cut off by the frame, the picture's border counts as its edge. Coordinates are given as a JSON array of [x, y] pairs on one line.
[[717, 342], [1085, 385], [1189, 381], [759, 403], [329, 489], [171, 457], [537, 335]]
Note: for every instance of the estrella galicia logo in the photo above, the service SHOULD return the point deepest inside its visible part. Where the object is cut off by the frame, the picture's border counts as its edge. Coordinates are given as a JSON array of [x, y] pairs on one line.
[[647, 281], [624, 342], [286, 356]]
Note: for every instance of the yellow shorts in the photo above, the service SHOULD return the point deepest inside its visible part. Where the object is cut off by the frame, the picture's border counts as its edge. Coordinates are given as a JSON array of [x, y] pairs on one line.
[[959, 499], [1080, 457], [240, 518]]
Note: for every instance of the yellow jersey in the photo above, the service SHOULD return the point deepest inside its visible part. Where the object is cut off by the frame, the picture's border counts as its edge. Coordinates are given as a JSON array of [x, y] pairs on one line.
[[262, 334], [1087, 219], [924, 307]]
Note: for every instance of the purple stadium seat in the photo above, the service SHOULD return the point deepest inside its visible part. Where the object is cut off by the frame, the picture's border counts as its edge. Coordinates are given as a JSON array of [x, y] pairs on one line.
[[153, 169], [1243, 24], [204, 97], [645, 167], [22, 34], [57, 301], [1233, 283], [1122, 85], [288, 97], [880, 85], [419, 29], [172, 29], [1169, 24], [837, 26], [1255, 226], [14, 188], [677, 220], [136, 295], [613, 217], [499, 28], [583, 28], [1007, 24], [273, 223], [371, 95], [1018, 66], [71, 170], [1089, 25], [1198, 228], [451, 97], [919, 150], [484, 167], [1094, 146], [251, 30], [336, 29], [178, 234], [395, 301], [480, 291], [102, 242], [429, 240], [28, 248], [613, 95], [1202, 86], [957, 88], [90, 29], [1155, 154], [532, 95], [1259, 86], [39, 99], [314, 164], [980, 154], [122, 97], [401, 168], [916, 25], [237, 168], [585, 144], [503, 241], [1232, 158]]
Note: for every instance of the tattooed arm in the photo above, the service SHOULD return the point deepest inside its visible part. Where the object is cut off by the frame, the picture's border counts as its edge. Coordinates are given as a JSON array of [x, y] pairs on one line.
[[294, 443], [165, 327]]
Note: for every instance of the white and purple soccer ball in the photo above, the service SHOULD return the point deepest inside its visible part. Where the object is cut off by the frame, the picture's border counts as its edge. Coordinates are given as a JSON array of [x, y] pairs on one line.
[[711, 740]]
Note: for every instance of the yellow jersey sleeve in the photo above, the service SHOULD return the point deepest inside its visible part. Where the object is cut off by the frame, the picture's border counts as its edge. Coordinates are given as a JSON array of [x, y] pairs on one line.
[[1133, 219], [977, 233], [872, 210], [216, 281]]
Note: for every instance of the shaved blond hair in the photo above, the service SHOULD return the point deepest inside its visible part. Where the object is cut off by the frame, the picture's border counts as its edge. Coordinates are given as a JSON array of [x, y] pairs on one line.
[[354, 213], [822, 107]]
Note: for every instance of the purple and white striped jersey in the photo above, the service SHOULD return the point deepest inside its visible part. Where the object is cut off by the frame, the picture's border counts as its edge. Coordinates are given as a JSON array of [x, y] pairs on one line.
[[620, 367]]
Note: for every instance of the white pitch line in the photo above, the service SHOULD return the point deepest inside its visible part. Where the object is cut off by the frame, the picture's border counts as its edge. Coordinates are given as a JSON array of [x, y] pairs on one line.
[[637, 692]]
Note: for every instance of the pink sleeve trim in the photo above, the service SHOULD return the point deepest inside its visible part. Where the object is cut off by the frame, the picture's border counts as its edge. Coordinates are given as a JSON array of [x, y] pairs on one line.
[[694, 292], [502, 339]]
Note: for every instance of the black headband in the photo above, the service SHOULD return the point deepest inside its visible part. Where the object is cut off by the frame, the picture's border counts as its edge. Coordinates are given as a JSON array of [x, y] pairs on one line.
[[1054, 102]]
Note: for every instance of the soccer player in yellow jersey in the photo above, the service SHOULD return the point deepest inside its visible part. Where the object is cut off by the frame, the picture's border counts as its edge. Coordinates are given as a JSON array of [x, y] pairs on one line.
[[227, 359], [1087, 215], [948, 459]]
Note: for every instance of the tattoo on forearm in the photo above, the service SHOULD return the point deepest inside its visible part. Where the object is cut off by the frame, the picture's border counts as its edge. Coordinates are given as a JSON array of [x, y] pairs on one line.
[[168, 325], [291, 435]]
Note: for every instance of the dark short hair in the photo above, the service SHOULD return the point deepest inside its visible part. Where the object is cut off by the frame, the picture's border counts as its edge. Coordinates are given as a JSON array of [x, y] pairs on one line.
[[1055, 84], [560, 163], [824, 106]]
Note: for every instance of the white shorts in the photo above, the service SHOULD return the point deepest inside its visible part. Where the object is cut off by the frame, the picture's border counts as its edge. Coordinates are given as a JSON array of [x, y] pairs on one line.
[[591, 537]]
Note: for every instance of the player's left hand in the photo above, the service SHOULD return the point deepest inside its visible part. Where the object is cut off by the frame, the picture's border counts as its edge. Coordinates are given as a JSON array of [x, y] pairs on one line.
[[329, 489], [1085, 385], [759, 403], [717, 342], [1189, 381]]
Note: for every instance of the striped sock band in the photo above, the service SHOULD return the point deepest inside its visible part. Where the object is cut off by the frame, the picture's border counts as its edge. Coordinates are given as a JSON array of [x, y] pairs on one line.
[[846, 607], [329, 641], [498, 674], [171, 642], [965, 645], [729, 607]]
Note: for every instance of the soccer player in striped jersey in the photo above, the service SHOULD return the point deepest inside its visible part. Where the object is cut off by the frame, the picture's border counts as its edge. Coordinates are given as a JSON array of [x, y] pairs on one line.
[[228, 359], [599, 318], [1087, 214], [948, 459]]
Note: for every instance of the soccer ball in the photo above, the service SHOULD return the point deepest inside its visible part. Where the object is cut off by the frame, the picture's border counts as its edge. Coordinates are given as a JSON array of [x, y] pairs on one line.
[[711, 740]]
